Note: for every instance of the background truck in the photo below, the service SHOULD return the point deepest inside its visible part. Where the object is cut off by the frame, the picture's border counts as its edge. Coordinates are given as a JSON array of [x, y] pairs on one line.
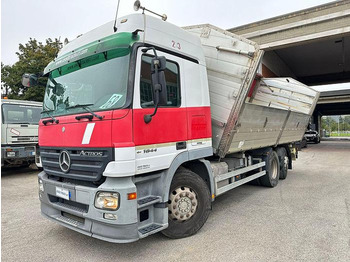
[[145, 124], [19, 131]]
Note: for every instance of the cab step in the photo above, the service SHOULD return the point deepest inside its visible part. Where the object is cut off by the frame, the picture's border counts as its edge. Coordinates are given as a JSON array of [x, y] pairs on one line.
[[148, 201], [151, 229]]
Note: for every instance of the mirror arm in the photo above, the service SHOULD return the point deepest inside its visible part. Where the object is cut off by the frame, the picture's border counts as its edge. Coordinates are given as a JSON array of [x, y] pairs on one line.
[[148, 118], [145, 50]]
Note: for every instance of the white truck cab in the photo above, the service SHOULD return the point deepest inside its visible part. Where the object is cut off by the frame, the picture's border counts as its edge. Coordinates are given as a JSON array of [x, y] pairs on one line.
[[19, 131]]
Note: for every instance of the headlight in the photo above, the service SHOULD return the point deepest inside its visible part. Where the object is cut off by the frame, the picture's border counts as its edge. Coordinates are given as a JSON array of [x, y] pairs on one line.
[[41, 186], [107, 200]]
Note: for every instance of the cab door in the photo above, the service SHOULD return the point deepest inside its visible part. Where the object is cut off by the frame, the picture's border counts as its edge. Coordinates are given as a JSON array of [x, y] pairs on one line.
[[161, 140]]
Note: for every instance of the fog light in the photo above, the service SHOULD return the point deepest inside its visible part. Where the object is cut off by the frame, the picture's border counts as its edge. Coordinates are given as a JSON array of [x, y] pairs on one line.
[[110, 216], [41, 186], [107, 200]]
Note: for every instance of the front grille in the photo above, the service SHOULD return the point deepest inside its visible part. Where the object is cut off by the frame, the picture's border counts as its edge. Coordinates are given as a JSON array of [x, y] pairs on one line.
[[19, 139], [26, 138], [82, 167]]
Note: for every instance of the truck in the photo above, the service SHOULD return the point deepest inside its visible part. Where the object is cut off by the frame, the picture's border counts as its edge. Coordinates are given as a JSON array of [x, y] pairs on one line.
[[19, 131], [145, 124]]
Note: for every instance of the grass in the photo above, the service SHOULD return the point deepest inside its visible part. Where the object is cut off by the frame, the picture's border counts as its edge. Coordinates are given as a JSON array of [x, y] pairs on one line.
[[341, 134]]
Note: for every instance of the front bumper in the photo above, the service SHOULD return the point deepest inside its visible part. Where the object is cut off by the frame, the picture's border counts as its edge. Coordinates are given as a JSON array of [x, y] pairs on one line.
[[80, 214], [17, 153], [310, 138]]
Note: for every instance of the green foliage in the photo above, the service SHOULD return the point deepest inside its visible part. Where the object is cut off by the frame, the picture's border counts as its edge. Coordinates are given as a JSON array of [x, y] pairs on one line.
[[32, 58], [333, 123]]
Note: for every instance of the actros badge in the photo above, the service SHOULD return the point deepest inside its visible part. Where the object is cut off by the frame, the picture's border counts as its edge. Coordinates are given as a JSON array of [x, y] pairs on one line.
[[89, 153]]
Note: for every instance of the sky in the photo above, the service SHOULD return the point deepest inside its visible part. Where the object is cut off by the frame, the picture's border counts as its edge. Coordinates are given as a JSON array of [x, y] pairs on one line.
[[42, 19]]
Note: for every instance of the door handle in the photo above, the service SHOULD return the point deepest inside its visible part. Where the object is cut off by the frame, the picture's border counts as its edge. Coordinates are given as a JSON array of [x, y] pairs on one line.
[[181, 145]]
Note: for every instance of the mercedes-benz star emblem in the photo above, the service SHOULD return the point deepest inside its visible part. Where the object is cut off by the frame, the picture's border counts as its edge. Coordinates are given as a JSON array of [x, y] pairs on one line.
[[64, 161]]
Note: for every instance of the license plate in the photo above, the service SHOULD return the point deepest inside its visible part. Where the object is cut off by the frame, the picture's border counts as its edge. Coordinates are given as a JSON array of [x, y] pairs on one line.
[[62, 193], [11, 154]]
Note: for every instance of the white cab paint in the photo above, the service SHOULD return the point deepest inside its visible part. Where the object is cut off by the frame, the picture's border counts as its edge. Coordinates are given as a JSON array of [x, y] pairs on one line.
[[88, 133]]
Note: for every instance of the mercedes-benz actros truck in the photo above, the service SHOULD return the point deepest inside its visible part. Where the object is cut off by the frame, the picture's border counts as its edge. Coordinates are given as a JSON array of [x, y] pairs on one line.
[[145, 124]]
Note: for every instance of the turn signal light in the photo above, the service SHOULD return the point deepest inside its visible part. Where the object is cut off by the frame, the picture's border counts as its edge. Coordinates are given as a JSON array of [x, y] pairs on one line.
[[132, 196]]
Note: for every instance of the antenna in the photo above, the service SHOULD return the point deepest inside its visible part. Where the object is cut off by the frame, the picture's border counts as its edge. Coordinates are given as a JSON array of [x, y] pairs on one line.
[[137, 6], [116, 16]]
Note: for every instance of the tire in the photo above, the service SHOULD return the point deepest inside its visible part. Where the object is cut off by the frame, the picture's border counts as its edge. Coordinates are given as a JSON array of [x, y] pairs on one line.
[[255, 182], [25, 165], [283, 158], [191, 190], [272, 170]]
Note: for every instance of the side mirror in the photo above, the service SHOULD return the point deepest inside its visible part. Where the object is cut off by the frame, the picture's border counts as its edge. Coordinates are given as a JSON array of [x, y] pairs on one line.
[[29, 80], [158, 66]]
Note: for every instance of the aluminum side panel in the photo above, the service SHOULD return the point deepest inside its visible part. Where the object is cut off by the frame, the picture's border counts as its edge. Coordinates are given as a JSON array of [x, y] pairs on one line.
[[231, 62], [260, 126]]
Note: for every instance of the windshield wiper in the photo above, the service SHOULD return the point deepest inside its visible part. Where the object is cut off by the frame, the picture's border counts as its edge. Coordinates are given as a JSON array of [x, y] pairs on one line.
[[85, 106], [51, 120], [46, 111]]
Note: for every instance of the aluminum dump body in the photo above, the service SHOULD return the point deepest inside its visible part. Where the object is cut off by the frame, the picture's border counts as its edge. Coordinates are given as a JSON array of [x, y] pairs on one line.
[[249, 113]]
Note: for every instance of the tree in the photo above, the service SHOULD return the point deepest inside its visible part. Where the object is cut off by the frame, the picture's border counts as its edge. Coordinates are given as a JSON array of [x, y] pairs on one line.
[[32, 58]]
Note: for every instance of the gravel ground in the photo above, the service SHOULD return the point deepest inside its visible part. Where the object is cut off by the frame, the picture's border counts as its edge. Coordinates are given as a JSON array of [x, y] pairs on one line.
[[305, 218]]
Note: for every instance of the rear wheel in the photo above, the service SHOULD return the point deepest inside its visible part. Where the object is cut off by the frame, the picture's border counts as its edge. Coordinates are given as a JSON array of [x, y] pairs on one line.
[[188, 206], [272, 168], [284, 161]]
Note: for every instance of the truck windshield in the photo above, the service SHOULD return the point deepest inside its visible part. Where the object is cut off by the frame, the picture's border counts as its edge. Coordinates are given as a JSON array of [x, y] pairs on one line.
[[99, 81], [20, 114]]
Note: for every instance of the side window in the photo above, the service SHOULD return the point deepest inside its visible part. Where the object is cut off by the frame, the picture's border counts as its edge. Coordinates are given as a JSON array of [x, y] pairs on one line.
[[172, 83]]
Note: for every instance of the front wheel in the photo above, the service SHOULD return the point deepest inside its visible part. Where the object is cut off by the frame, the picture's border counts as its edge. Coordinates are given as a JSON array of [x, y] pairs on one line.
[[189, 204]]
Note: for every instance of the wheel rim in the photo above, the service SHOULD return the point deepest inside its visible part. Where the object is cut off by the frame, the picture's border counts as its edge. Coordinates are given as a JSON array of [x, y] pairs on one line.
[[182, 204], [274, 169], [286, 162]]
